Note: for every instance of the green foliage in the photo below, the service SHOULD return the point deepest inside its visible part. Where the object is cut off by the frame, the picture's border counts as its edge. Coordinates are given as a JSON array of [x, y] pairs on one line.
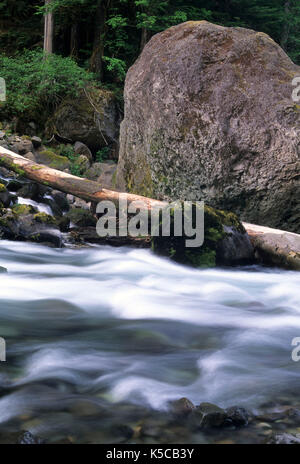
[[36, 84], [102, 154]]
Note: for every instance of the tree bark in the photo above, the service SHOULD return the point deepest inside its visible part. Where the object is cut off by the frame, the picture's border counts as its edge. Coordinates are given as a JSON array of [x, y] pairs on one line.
[[48, 30], [86, 189], [74, 40], [96, 63]]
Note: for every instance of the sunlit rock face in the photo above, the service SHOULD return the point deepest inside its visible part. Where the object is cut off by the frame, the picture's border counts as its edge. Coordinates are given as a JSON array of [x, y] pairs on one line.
[[209, 114]]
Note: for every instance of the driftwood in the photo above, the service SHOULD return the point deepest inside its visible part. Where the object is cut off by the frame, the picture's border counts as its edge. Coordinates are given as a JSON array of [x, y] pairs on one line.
[[86, 189]]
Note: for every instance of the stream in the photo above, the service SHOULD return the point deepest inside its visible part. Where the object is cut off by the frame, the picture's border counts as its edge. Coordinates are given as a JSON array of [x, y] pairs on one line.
[[101, 339]]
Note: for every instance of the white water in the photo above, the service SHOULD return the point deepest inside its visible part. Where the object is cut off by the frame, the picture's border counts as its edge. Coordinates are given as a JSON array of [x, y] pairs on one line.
[[123, 324]]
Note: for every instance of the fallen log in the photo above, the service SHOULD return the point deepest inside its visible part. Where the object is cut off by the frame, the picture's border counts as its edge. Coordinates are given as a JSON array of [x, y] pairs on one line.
[[272, 246], [86, 189], [275, 247]]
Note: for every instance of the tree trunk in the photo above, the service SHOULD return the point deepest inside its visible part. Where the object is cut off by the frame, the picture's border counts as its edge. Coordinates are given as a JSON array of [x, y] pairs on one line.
[[144, 39], [74, 40], [286, 26], [48, 30], [96, 63], [86, 189]]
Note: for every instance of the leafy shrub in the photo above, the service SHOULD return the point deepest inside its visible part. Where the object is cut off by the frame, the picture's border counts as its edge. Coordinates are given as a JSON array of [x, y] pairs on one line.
[[36, 84]]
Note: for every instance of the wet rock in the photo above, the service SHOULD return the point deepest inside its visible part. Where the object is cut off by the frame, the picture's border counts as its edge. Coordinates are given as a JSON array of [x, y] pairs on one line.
[[219, 247], [3, 270], [237, 416], [284, 439], [20, 438], [60, 199], [181, 407], [208, 415], [5, 196], [81, 217]]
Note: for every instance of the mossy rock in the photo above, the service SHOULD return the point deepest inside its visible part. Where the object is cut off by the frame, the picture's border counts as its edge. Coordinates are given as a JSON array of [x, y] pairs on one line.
[[44, 218], [51, 159], [22, 210], [2, 188], [81, 217], [225, 241]]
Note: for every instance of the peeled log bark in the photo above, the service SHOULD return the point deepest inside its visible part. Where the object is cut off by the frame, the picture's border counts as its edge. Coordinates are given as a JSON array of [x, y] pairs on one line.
[[86, 189]]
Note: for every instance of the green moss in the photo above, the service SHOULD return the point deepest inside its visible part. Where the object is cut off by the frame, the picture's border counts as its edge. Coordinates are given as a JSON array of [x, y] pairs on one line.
[[214, 233], [44, 218], [2, 188], [53, 160], [21, 210]]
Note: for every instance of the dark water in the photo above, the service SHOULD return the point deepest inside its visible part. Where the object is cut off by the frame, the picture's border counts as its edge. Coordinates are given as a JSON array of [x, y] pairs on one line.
[[99, 338]]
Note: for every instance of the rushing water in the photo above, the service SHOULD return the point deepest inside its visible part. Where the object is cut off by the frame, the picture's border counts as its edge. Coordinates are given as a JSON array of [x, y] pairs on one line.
[[96, 336]]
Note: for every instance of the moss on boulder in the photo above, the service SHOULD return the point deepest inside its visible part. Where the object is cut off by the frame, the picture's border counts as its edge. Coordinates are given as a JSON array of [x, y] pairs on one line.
[[225, 241], [51, 159]]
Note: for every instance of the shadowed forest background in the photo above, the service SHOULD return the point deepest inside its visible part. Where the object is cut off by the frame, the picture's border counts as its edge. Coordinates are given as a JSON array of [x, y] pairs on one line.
[[98, 40]]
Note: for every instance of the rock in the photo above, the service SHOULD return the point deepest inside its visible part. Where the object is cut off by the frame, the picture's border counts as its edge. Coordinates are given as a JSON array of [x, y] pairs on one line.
[[24, 222], [94, 124], [94, 171], [36, 141], [104, 173], [81, 217], [208, 415], [275, 247], [5, 196], [225, 242], [83, 163], [3, 270], [51, 159], [30, 156], [20, 438], [23, 146], [81, 149], [181, 407], [209, 115], [284, 439], [237, 416], [60, 199]]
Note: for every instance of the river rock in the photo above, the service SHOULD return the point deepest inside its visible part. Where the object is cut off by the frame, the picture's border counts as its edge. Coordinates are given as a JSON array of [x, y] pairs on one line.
[[93, 121], [284, 439], [209, 115], [237, 416], [208, 415]]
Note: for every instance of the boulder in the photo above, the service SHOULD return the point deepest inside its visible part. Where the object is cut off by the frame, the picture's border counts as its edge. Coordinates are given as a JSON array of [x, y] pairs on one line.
[[209, 115], [93, 121], [104, 173], [51, 159], [226, 241], [208, 415]]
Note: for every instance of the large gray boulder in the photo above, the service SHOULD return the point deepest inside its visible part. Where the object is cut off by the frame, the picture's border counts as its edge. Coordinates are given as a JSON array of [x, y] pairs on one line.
[[209, 114]]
